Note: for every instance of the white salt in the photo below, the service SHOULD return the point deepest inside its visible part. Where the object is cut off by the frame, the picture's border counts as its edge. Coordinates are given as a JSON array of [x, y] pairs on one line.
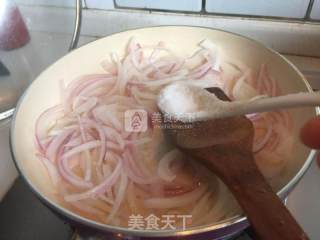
[[185, 100]]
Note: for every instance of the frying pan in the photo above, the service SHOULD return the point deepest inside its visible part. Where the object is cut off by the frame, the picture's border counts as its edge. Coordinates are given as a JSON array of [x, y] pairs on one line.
[[44, 93]]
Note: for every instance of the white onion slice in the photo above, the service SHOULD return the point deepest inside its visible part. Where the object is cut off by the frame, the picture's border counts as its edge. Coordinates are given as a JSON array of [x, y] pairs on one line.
[[99, 189], [177, 201], [164, 170]]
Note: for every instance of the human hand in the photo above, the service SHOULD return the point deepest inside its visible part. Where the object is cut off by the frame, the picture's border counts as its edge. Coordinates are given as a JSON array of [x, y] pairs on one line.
[[310, 135]]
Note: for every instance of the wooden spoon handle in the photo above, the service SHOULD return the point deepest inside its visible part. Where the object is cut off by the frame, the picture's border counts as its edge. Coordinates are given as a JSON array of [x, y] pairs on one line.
[[265, 104], [264, 209], [280, 102]]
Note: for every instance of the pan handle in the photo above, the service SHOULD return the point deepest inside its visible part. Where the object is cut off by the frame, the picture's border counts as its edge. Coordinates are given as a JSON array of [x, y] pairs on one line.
[[77, 26]]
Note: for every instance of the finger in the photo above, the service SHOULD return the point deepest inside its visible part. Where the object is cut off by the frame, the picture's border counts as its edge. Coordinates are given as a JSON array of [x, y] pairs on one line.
[[310, 133]]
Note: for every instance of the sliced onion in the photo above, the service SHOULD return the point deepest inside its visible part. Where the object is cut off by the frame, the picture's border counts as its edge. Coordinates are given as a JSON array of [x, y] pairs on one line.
[[212, 55], [200, 71], [257, 146], [132, 175], [114, 136], [175, 202], [56, 144], [92, 124], [206, 82], [74, 142], [107, 199], [86, 137], [86, 106], [109, 67], [138, 142], [164, 170], [242, 90], [44, 122], [103, 114], [99, 189], [88, 209], [52, 170], [119, 196], [113, 146], [158, 83], [69, 176], [81, 148]]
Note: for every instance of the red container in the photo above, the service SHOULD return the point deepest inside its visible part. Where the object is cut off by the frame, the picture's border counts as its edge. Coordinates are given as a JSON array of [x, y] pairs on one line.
[[13, 31]]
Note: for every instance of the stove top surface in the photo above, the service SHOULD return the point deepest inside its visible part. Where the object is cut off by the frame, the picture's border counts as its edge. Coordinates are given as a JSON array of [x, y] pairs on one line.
[[23, 216]]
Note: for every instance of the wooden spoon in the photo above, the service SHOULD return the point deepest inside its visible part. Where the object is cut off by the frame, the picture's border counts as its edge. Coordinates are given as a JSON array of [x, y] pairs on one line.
[[225, 147]]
